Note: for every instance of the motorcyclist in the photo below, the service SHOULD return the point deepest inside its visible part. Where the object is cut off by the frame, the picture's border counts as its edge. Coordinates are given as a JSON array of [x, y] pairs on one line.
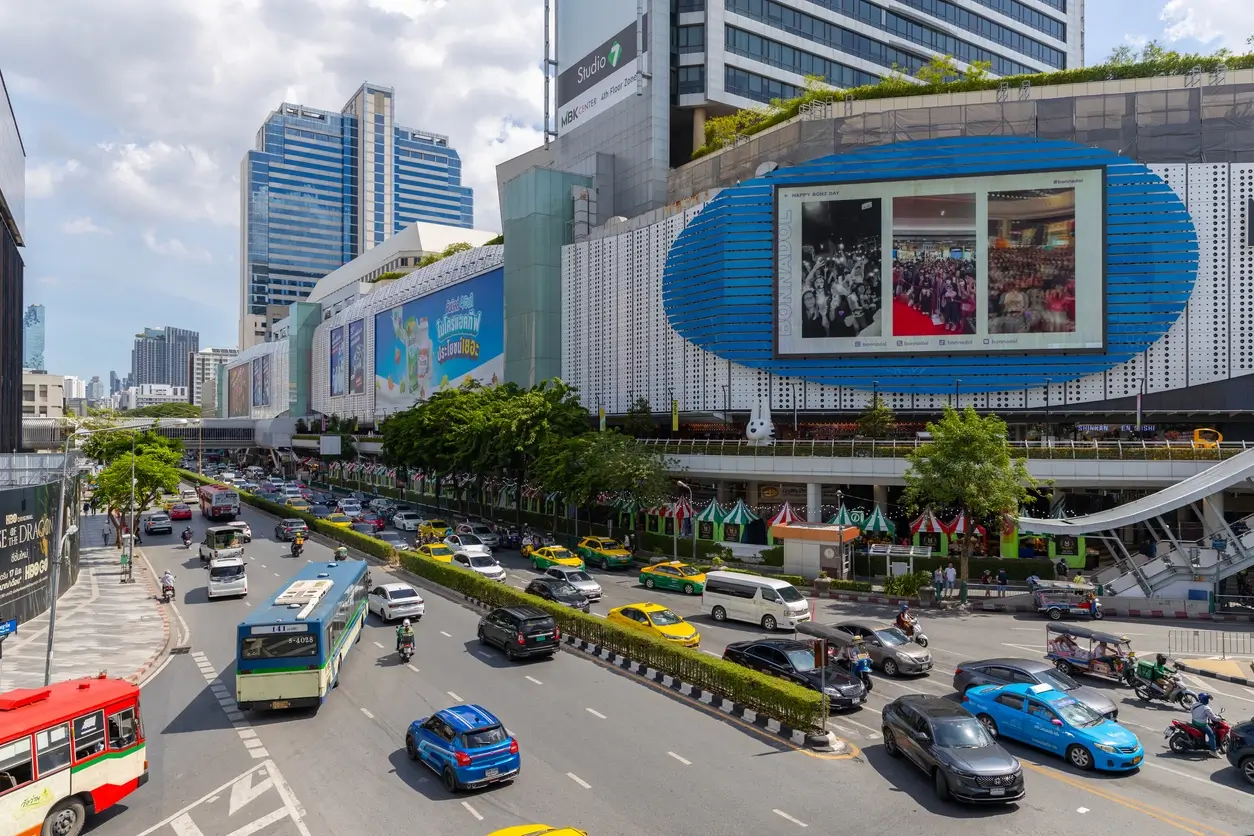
[[905, 620], [1163, 676], [1203, 716], [341, 553], [167, 581], [187, 534], [404, 633], [298, 542]]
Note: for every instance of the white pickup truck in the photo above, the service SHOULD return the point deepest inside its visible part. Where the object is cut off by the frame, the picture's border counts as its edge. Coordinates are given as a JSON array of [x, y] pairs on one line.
[[221, 541]]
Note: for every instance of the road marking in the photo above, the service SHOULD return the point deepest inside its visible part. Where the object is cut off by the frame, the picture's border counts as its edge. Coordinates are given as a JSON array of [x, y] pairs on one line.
[[597, 614], [454, 696], [1202, 685], [262, 565], [581, 782], [446, 635], [795, 821], [533, 679], [684, 761], [376, 644], [242, 791], [412, 668], [1028, 648], [1207, 781], [485, 654], [367, 713], [472, 811], [1081, 809], [871, 733], [712, 653], [595, 713]]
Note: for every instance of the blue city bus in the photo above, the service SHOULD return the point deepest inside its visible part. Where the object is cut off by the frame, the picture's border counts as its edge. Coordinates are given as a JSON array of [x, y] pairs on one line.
[[289, 650]]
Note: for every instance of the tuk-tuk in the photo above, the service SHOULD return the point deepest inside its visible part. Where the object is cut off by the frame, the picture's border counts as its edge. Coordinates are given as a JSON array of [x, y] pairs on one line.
[[220, 541], [1058, 598], [1081, 650]]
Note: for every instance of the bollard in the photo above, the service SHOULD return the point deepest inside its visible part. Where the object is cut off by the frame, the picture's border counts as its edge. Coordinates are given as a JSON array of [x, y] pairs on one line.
[[962, 592]]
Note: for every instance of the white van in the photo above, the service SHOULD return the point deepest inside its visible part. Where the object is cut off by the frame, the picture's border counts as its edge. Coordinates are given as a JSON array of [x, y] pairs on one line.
[[757, 599], [228, 577]]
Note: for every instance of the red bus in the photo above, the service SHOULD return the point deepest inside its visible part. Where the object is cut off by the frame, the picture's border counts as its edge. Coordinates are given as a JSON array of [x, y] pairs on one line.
[[68, 751], [218, 502]]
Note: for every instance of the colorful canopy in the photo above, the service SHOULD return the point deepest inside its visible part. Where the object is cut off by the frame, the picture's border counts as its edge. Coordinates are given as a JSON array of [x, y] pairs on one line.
[[681, 509], [711, 513], [740, 514], [878, 523], [958, 525], [927, 524], [842, 517], [627, 505], [785, 516]]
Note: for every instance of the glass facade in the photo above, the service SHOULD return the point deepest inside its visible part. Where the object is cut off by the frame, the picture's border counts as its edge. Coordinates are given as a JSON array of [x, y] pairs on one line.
[[428, 182], [12, 169], [34, 325]]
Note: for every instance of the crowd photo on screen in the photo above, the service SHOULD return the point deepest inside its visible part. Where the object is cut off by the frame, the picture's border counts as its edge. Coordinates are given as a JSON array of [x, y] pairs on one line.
[[934, 272], [1031, 261], [841, 257]]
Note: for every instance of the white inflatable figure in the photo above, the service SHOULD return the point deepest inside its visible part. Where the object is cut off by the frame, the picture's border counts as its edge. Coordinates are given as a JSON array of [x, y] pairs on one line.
[[760, 431]]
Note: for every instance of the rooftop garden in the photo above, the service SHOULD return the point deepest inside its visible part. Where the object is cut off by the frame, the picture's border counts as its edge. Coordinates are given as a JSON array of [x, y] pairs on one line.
[[942, 75]]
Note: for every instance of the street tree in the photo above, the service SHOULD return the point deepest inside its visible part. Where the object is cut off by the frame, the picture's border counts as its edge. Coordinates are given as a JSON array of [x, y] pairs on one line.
[[106, 446], [154, 475], [638, 421], [878, 421], [164, 410], [967, 466]]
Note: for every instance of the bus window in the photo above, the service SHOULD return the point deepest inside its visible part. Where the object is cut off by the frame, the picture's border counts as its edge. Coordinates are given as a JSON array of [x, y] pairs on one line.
[[16, 768], [89, 735], [52, 749], [123, 730]]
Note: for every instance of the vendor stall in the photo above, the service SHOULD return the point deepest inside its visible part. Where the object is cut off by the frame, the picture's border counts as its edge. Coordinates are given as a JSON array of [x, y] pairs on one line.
[[677, 514], [784, 516], [878, 528], [959, 530], [735, 521], [1068, 547], [927, 531], [710, 522]]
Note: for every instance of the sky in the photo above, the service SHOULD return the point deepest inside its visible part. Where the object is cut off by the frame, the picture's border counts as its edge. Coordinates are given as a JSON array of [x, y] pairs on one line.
[[135, 115]]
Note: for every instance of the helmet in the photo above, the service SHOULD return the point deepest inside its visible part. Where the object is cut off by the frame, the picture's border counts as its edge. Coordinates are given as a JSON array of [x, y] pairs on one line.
[[1203, 698], [1162, 658], [904, 606], [342, 550], [405, 623]]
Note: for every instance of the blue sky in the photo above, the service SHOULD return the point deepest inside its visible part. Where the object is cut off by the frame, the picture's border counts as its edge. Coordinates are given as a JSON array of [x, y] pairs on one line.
[[135, 123]]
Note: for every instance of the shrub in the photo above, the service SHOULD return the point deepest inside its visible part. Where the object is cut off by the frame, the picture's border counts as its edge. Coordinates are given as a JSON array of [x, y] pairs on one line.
[[906, 586], [852, 586], [774, 556]]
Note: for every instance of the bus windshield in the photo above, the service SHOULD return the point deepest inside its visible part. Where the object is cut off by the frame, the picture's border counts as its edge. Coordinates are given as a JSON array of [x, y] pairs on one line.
[[291, 646]]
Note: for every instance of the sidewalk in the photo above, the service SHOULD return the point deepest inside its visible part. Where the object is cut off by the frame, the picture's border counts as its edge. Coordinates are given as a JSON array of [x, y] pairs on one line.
[[102, 624], [1238, 672]]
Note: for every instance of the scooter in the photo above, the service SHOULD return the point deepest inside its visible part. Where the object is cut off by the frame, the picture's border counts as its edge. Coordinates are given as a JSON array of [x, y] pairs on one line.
[[1183, 737], [915, 632], [167, 593], [1149, 690], [407, 648], [297, 548], [527, 548], [859, 669], [187, 541]]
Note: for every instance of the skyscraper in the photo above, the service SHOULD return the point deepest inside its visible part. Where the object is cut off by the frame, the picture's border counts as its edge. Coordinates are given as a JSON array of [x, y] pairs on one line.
[[12, 218], [160, 356], [95, 389], [33, 324], [115, 383], [322, 187]]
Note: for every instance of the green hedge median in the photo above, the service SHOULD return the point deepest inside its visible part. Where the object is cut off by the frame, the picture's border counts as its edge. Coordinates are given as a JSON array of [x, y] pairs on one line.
[[791, 705]]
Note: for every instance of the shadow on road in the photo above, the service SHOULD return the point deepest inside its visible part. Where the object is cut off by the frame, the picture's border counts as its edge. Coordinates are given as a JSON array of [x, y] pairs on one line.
[[906, 779]]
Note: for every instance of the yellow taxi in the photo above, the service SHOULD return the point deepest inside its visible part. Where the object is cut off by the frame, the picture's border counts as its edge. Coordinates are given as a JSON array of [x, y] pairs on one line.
[[604, 552], [341, 520], [542, 559], [298, 504], [656, 620], [436, 551], [673, 575], [169, 501], [537, 830], [435, 528]]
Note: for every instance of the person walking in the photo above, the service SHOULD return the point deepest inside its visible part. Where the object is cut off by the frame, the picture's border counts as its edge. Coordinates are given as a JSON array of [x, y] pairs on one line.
[[938, 581], [951, 575], [1003, 578]]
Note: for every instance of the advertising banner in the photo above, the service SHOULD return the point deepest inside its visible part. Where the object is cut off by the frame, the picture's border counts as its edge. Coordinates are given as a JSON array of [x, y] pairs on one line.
[[439, 341], [357, 357], [237, 392], [261, 380], [1010, 263], [26, 551], [338, 368], [594, 82]]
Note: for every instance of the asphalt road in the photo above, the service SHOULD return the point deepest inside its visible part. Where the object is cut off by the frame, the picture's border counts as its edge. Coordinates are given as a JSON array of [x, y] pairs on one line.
[[601, 752]]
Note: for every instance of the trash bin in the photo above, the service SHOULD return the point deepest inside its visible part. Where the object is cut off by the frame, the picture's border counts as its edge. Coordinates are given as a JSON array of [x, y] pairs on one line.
[[927, 596]]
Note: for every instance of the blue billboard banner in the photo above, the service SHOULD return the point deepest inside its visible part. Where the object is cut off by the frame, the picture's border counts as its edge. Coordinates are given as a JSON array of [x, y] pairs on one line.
[[440, 341], [337, 362], [261, 380], [357, 357]]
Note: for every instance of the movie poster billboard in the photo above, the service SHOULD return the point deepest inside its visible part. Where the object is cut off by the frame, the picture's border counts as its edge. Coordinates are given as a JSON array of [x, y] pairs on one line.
[[357, 357], [26, 551], [237, 392], [338, 369], [261, 380], [439, 341]]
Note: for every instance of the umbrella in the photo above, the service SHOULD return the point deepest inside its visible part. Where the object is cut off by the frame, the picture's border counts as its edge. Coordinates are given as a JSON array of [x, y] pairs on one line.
[[711, 513], [740, 514], [784, 517], [842, 517], [877, 524], [926, 524]]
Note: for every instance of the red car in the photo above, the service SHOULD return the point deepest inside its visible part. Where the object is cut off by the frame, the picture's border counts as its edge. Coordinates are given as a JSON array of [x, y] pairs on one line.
[[373, 519], [180, 511]]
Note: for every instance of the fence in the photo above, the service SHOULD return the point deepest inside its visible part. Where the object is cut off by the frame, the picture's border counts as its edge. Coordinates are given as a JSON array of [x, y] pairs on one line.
[[1209, 643]]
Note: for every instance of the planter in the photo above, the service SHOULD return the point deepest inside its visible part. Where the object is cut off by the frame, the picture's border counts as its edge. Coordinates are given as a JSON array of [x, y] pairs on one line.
[[822, 586]]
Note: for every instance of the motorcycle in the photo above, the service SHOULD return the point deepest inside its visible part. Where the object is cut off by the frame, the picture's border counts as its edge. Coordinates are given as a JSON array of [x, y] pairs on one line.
[[859, 669], [297, 548], [913, 631], [1183, 737], [187, 540], [1148, 690], [167, 593], [407, 648], [512, 539], [526, 549]]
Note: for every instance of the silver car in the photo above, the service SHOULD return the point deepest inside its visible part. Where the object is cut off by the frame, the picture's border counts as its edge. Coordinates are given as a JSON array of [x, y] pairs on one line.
[[483, 532], [890, 649], [577, 578], [1031, 672]]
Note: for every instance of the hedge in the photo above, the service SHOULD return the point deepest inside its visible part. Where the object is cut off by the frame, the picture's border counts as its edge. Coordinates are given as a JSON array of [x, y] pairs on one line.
[[1018, 568], [790, 704]]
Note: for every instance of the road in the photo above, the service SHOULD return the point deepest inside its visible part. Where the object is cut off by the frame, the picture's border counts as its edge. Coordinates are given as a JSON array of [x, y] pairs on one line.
[[602, 752]]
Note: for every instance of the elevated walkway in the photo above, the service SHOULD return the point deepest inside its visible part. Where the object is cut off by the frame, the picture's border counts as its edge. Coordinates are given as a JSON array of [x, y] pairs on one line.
[[208, 433]]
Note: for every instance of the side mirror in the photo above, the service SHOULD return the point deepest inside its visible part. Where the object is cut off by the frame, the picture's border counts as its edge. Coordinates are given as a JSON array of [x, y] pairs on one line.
[[922, 737], [1056, 722]]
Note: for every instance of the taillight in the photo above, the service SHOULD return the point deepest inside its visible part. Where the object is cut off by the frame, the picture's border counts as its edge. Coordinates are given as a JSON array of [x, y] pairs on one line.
[[463, 759], [965, 698], [513, 747], [522, 639], [957, 671]]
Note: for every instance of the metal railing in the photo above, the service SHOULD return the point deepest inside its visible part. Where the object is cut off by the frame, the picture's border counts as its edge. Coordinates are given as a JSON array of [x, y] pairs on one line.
[[1209, 643], [859, 449]]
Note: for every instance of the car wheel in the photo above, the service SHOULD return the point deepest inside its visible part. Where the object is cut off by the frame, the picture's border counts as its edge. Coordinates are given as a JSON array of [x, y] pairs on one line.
[[1080, 757], [689, 589], [719, 614], [989, 724], [66, 819], [768, 622], [940, 785], [410, 748], [1062, 666], [1055, 615], [648, 583], [605, 565], [890, 743], [1247, 769], [890, 667], [509, 653], [449, 778], [482, 639]]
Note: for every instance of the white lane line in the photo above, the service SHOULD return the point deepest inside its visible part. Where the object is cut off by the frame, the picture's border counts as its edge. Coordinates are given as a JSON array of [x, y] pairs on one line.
[[519, 585], [412, 668], [367, 713], [247, 604], [581, 782], [894, 683], [472, 811], [533, 679], [684, 761], [712, 653], [483, 653], [1207, 781], [595, 713], [446, 635], [376, 644], [597, 614], [870, 732], [276, 574], [1199, 683], [1081, 810], [795, 821], [262, 565], [454, 696]]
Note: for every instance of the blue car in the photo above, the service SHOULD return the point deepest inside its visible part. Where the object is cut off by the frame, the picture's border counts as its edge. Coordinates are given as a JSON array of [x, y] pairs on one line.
[[465, 745], [1051, 720]]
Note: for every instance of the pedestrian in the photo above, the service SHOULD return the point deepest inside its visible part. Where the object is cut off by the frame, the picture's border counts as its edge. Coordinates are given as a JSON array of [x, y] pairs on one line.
[[938, 581], [87, 507], [986, 581], [1003, 578], [951, 575]]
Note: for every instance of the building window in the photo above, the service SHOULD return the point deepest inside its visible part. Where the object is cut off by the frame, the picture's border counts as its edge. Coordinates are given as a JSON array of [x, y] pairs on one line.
[[691, 6], [28, 394], [43, 392], [690, 39], [691, 79], [740, 42], [752, 86]]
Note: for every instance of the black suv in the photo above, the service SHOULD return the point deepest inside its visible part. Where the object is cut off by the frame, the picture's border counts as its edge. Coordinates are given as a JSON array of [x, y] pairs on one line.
[[559, 591], [1241, 750], [794, 660], [520, 631]]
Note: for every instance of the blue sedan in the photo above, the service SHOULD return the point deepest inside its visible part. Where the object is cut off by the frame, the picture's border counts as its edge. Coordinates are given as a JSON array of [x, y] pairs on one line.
[[1047, 719], [465, 745]]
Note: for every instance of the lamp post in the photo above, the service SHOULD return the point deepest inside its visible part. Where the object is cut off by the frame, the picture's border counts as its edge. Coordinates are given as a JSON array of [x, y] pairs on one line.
[[957, 383], [691, 507], [840, 530]]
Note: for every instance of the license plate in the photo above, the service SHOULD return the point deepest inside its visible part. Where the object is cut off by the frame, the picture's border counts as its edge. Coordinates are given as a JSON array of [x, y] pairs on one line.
[[280, 704], [855, 700], [491, 773], [1136, 760], [540, 638], [997, 791]]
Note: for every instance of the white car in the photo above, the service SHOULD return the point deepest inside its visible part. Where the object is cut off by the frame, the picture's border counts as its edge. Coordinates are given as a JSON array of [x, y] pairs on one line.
[[245, 533], [351, 507], [406, 521], [396, 600], [577, 578], [485, 565], [485, 534], [467, 544]]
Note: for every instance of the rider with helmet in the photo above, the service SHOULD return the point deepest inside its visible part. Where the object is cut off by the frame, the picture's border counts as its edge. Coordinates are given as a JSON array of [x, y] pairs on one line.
[[1163, 676], [1203, 716], [905, 621], [341, 553], [403, 633]]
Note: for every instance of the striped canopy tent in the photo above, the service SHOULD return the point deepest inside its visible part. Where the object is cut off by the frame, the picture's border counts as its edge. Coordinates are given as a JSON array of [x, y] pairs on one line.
[[712, 515], [553, 502], [929, 531], [505, 497], [783, 516], [842, 517], [927, 524], [877, 523], [958, 528], [739, 516], [681, 509], [531, 498]]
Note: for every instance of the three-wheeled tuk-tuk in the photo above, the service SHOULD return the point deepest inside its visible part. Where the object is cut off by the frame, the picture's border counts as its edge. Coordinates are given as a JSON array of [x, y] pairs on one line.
[[1076, 650], [1061, 598]]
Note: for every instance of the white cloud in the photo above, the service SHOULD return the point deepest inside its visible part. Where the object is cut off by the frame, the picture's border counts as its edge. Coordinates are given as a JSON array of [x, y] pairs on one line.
[[83, 226], [42, 179], [175, 248], [1225, 22]]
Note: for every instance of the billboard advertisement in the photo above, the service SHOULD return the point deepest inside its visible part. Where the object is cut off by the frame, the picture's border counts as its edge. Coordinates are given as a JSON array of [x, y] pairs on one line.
[[237, 396], [439, 341], [597, 58], [1010, 263], [261, 380], [26, 544], [357, 357], [338, 368]]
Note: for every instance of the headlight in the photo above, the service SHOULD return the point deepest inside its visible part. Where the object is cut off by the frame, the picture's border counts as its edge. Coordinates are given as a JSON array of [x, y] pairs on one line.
[[1110, 750]]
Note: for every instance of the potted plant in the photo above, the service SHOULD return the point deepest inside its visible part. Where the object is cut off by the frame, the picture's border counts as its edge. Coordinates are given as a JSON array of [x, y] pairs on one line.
[[822, 584]]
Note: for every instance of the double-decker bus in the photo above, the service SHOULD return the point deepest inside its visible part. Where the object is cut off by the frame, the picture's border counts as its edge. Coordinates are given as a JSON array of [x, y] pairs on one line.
[[68, 751], [218, 502], [289, 650]]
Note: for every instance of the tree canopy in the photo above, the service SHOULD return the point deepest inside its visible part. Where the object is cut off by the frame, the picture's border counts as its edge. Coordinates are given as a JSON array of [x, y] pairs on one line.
[[156, 460], [638, 421], [878, 421]]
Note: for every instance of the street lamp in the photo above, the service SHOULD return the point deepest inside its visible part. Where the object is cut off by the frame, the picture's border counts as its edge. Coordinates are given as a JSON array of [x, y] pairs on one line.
[[840, 530], [691, 507], [957, 383]]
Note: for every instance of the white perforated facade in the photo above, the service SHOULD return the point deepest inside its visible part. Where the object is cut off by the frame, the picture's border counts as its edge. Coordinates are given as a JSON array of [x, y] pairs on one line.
[[619, 346]]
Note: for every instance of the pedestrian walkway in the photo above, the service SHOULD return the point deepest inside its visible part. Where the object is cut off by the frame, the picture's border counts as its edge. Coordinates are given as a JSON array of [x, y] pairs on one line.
[[1238, 671], [102, 625]]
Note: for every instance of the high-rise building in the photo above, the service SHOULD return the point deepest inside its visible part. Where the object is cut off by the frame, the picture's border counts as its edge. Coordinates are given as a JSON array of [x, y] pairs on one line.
[[321, 188], [160, 356], [75, 387], [202, 371], [115, 383], [12, 219], [95, 389], [34, 323]]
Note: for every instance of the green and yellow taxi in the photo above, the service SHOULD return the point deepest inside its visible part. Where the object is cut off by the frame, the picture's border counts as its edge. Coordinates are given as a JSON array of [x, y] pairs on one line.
[[339, 520], [436, 551], [542, 559], [435, 528], [656, 620], [673, 575], [603, 552]]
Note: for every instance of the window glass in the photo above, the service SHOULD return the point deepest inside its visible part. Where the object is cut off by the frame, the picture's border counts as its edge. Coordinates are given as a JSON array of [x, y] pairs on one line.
[[1013, 701], [769, 594], [123, 729], [293, 646], [484, 737], [16, 767], [52, 749], [1040, 711], [89, 735]]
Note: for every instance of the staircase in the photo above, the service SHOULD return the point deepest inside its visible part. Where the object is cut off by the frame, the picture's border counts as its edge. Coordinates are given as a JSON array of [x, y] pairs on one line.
[[1208, 560]]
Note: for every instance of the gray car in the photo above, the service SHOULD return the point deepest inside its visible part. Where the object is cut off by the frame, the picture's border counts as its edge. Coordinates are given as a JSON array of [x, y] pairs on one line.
[[1032, 672], [577, 578], [890, 649]]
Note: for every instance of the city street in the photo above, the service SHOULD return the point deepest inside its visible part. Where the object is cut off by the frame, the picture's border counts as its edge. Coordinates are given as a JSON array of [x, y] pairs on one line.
[[601, 751]]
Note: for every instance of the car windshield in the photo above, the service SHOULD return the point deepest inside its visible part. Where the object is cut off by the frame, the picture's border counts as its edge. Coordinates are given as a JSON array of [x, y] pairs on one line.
[[160, 518], [338, 518], [891, 637], [490, 736], [1076, 713], [578, 576], [664, 618], [441, 551], [478, 561], [438, 524], [963, 733], [180, 507], [688, 571], [558, 551], [611, 545], [790, 594], [563, 589], [1057, 680], [226, 573], [294, 523], [401, 594], [471, 540], [480, 530], [802, 659]]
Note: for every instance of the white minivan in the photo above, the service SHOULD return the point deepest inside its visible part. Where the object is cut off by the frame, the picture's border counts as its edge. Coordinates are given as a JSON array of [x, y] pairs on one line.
[[770, 602], [228, 577]]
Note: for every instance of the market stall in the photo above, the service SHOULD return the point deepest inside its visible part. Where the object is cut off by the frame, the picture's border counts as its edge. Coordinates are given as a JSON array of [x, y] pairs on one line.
[[960, 530], [736, 520], [928, 531], [878, 528], [710, 522], [784, 516]]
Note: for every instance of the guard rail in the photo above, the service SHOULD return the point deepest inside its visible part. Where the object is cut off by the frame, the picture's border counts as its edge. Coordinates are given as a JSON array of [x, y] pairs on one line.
[[1102, 450]]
